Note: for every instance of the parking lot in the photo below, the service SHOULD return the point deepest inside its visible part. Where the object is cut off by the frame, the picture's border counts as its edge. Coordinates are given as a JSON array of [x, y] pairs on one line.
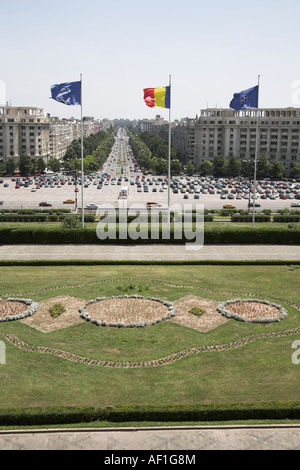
[[23, 197], [121, 172]]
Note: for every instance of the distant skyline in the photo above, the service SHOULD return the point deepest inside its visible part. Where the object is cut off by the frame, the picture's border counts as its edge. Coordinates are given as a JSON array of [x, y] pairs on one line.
[[211, 50]]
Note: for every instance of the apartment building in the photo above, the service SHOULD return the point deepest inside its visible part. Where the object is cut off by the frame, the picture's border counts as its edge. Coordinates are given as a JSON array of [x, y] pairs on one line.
[[61, 133], [24, 130], [276, 132], [31, 131]]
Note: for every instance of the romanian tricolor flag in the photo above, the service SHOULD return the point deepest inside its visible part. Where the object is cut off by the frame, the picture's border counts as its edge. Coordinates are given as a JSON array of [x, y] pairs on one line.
[[158, 97]]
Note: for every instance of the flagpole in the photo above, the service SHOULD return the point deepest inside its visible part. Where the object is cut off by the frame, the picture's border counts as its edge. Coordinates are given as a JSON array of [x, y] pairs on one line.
[[82, 169], [256, 155], [169, 158]]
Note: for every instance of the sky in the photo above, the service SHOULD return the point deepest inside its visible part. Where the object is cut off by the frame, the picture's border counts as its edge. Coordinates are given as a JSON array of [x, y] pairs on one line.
[[210, 49]]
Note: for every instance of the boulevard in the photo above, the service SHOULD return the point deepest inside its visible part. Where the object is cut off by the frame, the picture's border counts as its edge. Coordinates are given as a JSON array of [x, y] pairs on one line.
[[122, 171]]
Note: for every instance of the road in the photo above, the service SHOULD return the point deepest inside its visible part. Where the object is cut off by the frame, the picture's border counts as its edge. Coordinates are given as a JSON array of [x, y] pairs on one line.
[[119, 163]]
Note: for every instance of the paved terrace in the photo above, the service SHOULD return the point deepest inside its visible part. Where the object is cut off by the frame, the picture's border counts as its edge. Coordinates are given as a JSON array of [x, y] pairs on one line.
[[150, 252]]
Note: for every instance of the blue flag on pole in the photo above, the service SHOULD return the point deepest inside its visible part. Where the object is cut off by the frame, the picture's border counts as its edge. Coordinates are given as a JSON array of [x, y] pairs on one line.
[[67, 93], [245, 99]]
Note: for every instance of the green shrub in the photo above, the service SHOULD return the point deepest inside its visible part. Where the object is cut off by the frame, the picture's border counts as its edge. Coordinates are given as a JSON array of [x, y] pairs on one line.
[[197, 311], [56, 310], [169, 413], [286, 218], [248, 218]]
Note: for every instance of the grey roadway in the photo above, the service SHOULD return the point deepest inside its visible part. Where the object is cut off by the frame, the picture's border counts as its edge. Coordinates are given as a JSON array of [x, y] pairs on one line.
[[150, 252]]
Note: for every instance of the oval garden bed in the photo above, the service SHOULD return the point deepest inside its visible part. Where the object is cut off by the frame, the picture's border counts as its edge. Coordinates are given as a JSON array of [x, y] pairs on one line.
[[127, 311], [252, 310], [16, 309]]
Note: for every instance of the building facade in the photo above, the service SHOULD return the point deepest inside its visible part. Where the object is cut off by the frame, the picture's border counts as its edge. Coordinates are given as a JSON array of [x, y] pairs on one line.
[[32, 132], [24, 131], [274, 133]]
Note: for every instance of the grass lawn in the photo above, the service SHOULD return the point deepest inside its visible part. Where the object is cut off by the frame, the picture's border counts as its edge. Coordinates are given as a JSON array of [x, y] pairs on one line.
[[259, 371]]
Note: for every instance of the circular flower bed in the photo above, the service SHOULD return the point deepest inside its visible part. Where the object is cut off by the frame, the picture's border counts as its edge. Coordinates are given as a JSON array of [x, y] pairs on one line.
[[252, 310], [16, 309], [130, 311]]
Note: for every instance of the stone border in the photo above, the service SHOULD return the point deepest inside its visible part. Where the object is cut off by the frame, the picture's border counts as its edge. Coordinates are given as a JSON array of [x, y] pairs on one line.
[[227, 313], [148, 363], [33, 306], [86, 316]]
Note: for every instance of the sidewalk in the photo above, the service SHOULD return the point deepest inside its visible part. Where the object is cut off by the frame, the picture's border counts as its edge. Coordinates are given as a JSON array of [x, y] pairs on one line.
[[178, 439], [150, 252]]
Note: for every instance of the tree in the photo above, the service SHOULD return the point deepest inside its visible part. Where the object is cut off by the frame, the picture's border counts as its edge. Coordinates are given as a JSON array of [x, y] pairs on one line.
[[277, 169], [206, 168], [295, 170], [40, 165], [246, 168], [54, 165], [234, 167], [219, 166], [176, 167], [190, 168], [262, 166], [25, 165]]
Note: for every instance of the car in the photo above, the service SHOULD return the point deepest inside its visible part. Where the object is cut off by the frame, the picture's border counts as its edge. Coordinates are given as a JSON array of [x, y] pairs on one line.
[[186, 196], [33, 190], [196, 196], [69, 201], [76, 190], [228, 206], [256, 204], [45, 204], [91, 206], [295, 204], [6, 185]]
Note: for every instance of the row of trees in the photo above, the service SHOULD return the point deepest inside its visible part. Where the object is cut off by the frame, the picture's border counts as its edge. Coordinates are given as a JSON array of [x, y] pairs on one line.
[[151, 152], [96, 148], [25, 166], [221, 167]]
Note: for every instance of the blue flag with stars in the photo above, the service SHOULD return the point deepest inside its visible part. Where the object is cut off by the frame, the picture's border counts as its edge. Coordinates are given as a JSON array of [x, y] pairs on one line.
[[245, 99], [67, 93]]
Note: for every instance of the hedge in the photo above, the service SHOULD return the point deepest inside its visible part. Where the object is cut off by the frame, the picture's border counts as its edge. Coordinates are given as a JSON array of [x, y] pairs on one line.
[[169, 413], [248, 218], [212, 235], [92, 262], [52, 217], [286, 218]]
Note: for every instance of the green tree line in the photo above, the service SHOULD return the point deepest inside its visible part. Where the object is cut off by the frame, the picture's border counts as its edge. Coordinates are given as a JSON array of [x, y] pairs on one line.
[[151, 153]]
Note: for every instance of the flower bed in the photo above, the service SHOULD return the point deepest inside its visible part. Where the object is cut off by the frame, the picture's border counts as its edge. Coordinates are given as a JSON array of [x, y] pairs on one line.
[[132, 311], [16, 309], [252, 310]]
